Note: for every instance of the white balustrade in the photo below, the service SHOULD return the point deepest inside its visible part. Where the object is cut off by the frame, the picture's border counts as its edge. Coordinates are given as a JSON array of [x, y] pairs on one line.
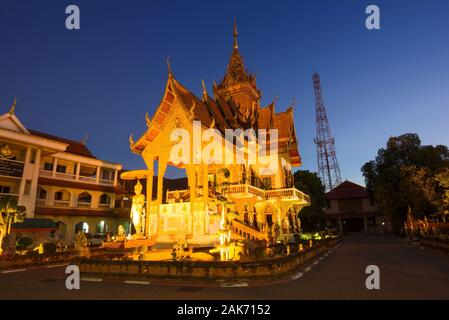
[[62, 203], [73, 177], [83, 205]]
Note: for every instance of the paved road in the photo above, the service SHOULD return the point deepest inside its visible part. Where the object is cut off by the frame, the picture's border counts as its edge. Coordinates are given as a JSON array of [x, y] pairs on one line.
[[406, 272]]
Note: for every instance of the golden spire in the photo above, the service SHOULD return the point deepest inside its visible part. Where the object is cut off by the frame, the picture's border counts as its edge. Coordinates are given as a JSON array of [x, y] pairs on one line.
[[169, 67], [13, 107], [236, 34], [204, 90]]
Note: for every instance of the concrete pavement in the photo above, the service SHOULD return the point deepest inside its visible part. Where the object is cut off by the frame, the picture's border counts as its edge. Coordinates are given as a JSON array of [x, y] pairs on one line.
[[406, 272]]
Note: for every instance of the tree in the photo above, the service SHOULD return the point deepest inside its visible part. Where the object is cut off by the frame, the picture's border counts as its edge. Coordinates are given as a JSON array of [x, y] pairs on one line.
[[10, 213], [442, 179], [312, 216], [404, 175]]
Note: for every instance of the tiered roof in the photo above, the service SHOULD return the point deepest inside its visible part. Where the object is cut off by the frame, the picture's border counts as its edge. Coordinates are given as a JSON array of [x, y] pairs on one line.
[[222, 112]]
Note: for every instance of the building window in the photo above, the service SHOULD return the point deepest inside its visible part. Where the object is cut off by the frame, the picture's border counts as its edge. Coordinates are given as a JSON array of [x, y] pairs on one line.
[[328, 204], [27, 191], [85, 197], [48, 166], [61, 168], [106, 175], [105, 199], [62, 196], [33, 156], [5, 189], [41, 193]]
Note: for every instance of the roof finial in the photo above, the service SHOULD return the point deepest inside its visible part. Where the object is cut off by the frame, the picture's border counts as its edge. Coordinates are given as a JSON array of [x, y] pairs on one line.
[[84, 139], [236, 34], [292, 105], [170, 73], [204, 90], [131, 141], [147, 119], [13, 107]]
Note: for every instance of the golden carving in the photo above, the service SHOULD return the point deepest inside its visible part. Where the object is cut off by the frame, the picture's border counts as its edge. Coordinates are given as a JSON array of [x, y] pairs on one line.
[[147, 120], [6, 153], [137, 209], [13, 107]]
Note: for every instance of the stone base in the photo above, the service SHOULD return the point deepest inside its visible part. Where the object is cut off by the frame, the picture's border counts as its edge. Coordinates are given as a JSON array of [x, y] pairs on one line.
[[132, 243], [202, 240]]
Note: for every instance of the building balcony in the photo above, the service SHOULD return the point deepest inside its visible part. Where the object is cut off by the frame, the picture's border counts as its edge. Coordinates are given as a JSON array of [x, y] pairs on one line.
[[74, 178], [67, 205], [9, 195], [245, 190], [61, 203]]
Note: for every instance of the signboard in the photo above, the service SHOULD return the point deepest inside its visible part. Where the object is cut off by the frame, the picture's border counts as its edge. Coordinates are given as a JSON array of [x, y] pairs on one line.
[[11, 168]]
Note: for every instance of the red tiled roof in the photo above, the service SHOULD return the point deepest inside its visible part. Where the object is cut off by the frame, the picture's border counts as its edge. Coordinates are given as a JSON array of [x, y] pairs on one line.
[[74, 147], [347, 190]]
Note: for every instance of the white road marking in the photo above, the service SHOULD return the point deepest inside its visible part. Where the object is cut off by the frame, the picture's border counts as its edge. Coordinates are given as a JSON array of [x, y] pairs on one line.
[[297, 276], [315, 263], [12, 271], [92, 279], [321, 258], [137, 282], [58, 265], [307, 269], [230, 285]]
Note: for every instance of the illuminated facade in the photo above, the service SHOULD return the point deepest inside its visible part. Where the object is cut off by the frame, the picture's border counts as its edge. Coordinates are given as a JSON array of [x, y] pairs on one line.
[[57, 179], [260, 204]]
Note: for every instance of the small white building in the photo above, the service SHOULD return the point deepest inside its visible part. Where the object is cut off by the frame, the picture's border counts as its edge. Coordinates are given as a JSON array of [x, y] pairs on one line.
[[57, 179]]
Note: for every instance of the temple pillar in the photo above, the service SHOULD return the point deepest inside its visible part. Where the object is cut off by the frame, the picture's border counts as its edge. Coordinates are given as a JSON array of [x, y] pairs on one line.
[[205, 183], [161, 167], [191, 177], [206, 196], [150, 217]]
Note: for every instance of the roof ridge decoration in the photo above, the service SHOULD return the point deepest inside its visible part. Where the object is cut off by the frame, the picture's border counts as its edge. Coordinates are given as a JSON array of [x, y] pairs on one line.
[[13, 106]]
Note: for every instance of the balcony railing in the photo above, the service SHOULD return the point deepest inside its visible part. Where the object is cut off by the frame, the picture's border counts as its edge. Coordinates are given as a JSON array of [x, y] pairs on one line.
[[283, 194], [73, 177], [83, 205], [62, 203], [9, 195], [66, 204], [87, 179]]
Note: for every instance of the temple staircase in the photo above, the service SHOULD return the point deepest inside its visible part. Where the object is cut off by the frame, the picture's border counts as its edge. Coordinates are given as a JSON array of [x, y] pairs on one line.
[[246, 232]]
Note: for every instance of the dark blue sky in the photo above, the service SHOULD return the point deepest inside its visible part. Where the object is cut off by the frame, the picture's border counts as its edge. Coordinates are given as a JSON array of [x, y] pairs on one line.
[[102, 79]]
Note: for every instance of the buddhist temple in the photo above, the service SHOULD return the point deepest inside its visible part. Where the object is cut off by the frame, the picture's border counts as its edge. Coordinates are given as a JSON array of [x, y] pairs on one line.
[[252, 200]]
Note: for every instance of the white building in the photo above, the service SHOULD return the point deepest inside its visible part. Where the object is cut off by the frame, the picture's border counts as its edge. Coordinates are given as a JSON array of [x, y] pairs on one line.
[[58, 179]]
